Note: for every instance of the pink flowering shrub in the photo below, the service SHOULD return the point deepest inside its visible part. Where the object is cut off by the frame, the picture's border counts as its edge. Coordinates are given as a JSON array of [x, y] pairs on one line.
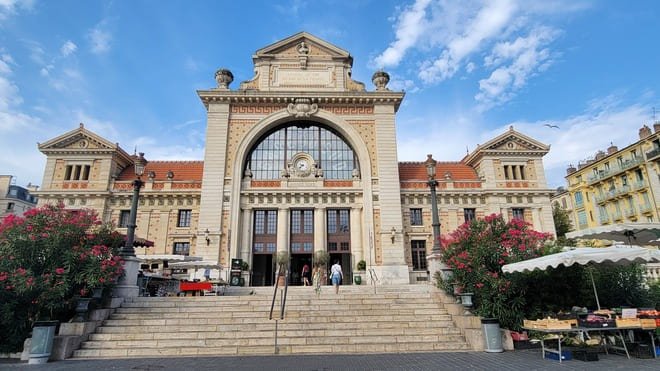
[[476, 252], [47, 257]]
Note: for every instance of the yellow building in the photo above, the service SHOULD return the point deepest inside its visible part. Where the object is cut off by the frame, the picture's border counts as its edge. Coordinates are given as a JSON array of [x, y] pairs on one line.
[[617, 186], [300, 159]]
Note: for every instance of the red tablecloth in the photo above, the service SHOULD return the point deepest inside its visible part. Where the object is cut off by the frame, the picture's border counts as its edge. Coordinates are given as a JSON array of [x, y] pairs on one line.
[[195, 286]]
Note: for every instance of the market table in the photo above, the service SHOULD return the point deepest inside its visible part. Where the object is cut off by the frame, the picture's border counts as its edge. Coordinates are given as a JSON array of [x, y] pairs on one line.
[[194, 287], [587, 330]]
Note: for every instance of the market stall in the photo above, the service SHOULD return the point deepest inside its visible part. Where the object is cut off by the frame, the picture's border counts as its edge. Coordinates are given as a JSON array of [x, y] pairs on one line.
[[600, 321]]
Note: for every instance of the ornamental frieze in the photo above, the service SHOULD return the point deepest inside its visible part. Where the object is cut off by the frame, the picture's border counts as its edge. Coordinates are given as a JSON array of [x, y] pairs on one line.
[[256, 108]]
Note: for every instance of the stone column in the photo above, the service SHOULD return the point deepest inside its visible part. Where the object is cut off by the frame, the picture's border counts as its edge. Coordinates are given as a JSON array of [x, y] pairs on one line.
[[357, 247], [282, 229], [319, 229]]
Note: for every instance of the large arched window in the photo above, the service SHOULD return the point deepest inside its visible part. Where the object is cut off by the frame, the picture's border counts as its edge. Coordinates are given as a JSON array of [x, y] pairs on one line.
[[275, 149]]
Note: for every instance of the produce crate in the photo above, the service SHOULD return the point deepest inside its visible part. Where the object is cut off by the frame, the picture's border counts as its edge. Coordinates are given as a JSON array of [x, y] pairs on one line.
[[585, 355], [553, 324], [647, 323], [597, 324], [565, 355], [628, 322]]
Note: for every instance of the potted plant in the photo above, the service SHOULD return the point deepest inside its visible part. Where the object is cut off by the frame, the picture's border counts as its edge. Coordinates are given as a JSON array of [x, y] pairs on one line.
[[361, 267]]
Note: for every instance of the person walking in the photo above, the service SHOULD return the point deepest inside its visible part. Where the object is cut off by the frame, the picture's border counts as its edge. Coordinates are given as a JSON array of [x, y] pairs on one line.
[[305, 275], [336, 275]]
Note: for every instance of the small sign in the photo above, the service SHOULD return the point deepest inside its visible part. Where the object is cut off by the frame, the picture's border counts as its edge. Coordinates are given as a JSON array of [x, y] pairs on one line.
[[629, 313]]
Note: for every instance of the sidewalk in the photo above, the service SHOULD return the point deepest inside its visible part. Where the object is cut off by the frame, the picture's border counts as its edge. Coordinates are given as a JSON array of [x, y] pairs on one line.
[[518, 360]]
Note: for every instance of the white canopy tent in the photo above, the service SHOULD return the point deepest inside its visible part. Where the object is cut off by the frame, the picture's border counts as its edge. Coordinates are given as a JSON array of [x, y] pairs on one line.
[[198, 264], [628, 233], [617, 255]]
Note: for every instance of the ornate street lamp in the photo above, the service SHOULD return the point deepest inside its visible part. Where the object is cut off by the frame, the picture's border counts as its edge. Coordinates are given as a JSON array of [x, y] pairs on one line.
[[140, 163], [430, 171]]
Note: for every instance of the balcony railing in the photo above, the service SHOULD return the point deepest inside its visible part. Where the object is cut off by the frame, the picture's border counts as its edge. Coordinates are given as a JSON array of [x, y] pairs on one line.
[[653, 154], [604, 219], [630, 212], [617, 216], [613, 170], [646, 208]]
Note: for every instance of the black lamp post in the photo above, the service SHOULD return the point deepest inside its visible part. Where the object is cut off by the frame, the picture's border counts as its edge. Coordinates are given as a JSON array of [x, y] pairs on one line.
[[430, 171], [140, 163]]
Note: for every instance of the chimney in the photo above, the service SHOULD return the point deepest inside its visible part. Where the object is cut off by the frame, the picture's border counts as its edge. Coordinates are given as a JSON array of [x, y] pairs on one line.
[[613, 149], [656, 127], [570, 169], [644, 132], [599, 155]]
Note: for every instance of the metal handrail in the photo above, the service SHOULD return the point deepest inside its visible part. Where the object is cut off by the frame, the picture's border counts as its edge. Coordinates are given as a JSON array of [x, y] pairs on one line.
[[282, 300], [374, 278]]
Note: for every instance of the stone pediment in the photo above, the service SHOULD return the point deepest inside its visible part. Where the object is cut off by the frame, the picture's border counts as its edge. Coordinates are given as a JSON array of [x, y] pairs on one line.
[[302, 62], [79, 140], [511, 143]]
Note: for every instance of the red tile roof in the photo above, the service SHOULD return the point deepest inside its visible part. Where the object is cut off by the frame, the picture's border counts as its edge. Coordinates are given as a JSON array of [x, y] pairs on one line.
[[183, 171], [412, 171]]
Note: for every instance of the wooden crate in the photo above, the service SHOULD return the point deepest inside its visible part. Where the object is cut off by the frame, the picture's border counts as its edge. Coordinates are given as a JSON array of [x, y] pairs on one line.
[[647, 323], [628, 322]]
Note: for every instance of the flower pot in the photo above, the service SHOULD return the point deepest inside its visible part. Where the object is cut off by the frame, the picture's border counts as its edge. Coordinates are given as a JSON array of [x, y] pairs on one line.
[[466, 299], [492, 335], [41, 344], [83, 306]]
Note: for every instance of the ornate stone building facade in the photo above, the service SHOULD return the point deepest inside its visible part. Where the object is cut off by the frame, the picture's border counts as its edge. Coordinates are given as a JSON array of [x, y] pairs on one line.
[[617, 185], [301, 158]]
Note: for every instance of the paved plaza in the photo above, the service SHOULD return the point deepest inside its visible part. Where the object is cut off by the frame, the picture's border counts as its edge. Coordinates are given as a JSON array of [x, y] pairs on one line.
[[518, 360]]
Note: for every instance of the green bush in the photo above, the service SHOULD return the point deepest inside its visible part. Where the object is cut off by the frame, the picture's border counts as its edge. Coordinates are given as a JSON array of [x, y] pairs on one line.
[[47, 258]]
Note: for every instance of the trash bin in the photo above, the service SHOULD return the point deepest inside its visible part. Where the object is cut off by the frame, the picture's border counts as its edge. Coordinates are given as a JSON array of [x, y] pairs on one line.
[[492, 335], [41, 344]]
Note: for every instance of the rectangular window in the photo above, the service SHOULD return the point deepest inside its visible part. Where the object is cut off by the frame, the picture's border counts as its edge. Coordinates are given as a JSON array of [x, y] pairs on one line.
[[184, 218], [469, 215], [578, 199], [124, 215], [338, 230], [85, 173], [518, 213], [624, 180], [640, 176], [418, 250], [182, 248], [265, 232], [416, 217], [582, 218], [67, 172]]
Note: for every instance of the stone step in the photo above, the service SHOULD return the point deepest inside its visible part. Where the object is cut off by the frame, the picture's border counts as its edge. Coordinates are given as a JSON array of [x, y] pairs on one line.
[[283, 331], [267, 339], [269, 326], [403, 318], [354, 348]]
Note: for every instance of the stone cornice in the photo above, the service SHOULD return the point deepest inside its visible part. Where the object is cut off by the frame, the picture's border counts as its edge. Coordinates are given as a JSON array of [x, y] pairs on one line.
[[318, 97]]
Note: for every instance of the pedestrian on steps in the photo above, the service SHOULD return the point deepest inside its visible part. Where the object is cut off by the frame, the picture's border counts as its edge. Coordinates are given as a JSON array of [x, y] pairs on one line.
[[336, 275]]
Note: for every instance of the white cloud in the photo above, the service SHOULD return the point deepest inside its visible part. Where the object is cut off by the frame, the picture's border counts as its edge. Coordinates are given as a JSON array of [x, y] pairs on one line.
[[100, 39], [409, 28], [68, 48], [507, 40], [488, 23], [581, 136], [10, 7]]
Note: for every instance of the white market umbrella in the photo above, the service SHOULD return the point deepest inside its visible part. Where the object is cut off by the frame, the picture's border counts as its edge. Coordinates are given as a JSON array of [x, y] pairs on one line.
[[200, 264], [630, 233], [617, 255], [162, 257]]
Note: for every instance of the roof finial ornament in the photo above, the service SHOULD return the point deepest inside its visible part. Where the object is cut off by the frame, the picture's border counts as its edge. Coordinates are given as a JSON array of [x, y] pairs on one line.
[[82, 126]]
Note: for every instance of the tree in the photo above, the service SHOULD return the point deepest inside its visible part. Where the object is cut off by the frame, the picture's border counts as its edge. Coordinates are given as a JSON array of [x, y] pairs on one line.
[[47, 257], [562, 221]]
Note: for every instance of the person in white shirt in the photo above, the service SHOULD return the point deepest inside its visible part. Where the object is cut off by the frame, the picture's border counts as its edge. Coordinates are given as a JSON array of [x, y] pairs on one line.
[[336, 275]]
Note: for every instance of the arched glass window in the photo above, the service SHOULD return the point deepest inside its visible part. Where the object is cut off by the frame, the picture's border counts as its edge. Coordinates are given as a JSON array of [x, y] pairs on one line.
[[275, 149]]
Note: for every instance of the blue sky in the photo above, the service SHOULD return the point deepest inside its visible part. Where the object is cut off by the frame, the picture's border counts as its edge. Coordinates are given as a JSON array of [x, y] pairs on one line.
[[129, 70]]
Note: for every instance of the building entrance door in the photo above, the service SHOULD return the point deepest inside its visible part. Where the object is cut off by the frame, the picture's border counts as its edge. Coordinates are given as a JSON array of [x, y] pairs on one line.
[[262, 270], [298, 261]]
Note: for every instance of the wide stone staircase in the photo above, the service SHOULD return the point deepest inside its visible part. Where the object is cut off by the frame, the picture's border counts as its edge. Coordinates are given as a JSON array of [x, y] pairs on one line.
[[394, 319]]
